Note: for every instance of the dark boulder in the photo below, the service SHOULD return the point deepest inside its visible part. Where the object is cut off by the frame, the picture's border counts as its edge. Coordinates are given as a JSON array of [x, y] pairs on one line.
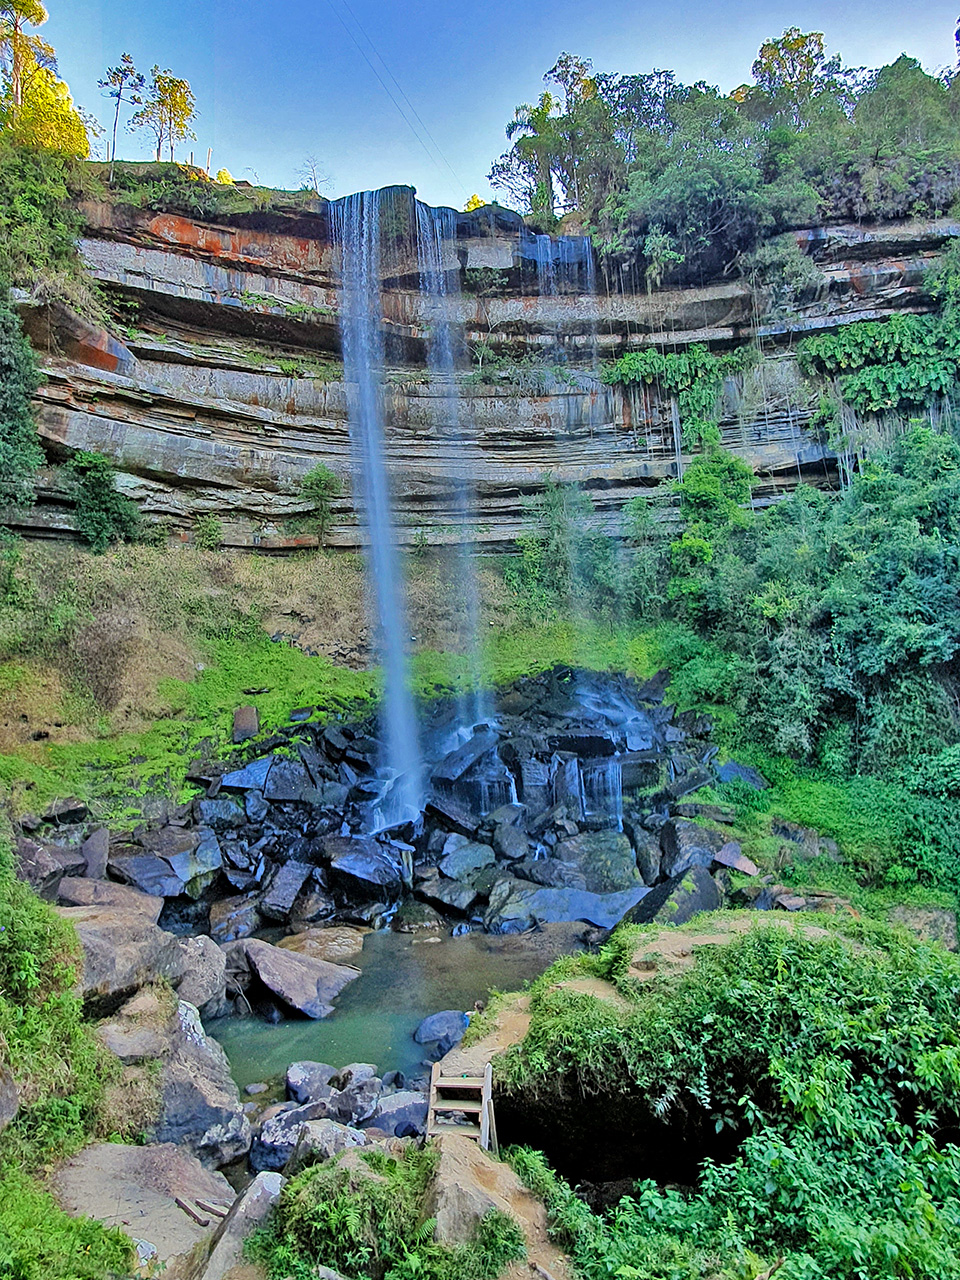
[[246, 724], [731, 771], [285, 887], [461, 856], [252, 777], [362, 866], [149, 874], [516, 905], [309, 1081], [687, 844], [605, 859], [451, 1022], [678, 900]]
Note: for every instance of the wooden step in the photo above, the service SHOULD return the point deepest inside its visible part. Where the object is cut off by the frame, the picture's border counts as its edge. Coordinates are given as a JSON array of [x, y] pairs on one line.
[[459, 1082], [457, 1104], [438, 1130]]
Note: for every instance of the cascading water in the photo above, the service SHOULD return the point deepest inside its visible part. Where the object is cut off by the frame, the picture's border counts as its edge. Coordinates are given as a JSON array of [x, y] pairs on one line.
[[356, 226], [439, 288]]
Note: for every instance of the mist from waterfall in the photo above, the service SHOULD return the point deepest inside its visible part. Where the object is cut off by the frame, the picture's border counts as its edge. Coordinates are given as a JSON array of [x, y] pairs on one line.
[[356, 227], [440, 292]]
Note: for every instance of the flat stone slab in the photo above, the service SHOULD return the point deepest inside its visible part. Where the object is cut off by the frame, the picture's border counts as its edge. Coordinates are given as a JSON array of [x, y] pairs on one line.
[[518, 905], [136, 1189], [252, 777], [338, 942], [78, 892], [246, 724], [305, 984], [122, 951]]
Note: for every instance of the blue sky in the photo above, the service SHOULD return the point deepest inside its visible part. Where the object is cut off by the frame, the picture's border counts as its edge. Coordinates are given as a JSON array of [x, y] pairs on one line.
[[277, 80]]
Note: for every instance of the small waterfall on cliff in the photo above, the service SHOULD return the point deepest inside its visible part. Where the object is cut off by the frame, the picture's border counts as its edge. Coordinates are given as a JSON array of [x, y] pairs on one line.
[[439, 288], [356, 225]]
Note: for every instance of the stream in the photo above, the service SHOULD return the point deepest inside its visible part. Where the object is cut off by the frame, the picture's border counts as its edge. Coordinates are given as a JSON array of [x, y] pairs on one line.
[[404, 978]]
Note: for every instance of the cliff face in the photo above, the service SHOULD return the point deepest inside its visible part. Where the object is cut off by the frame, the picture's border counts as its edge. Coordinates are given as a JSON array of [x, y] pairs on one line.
[[229, 388]]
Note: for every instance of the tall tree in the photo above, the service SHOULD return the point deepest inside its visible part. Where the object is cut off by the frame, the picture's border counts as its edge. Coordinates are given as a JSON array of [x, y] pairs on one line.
[[17, 48], [167, 110], [123, 83]]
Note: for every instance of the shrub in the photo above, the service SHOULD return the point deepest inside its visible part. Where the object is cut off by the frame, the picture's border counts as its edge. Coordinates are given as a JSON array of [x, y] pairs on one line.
[[320, 486], [208, 533], [20, 452], [103, 515]]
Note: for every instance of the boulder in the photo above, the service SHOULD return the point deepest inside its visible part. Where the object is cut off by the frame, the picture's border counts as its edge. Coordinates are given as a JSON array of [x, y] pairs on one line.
[[686, 844], [200, 1103], [233, 918], [137, 1189], [148, 873], [732, 856], [334, 943], [197, 867], [220, 814], [363, 867], [122, 951], [449, 895], [678, 900], [931, 924], [404, 1109], [320, 1140], [43, 867], [75, 891], [250, 1210], [468, 1184], [309, 986], [354, 1073], [290, 782], [517, 905], [246, 724], [550, 872], [275, 1143], [805, 841], [355, 1103], [285, 887], [604, 858], [646, 846], [450, 1023], [251, 778], [510, 840], [204, 983], [131, 1043], [95, 851], [64, 813], [461, 856], [731, 771], [309, 1081]]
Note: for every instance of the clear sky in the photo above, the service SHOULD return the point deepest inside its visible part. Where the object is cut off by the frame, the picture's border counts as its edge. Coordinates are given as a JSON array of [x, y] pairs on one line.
[[278, 80]]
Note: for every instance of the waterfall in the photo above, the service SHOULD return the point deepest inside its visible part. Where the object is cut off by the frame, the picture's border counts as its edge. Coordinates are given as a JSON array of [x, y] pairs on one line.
[[440, 290], [357, 232]]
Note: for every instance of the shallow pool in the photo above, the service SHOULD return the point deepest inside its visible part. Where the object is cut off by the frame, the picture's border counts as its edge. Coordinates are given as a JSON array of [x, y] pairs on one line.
[[403, 979]]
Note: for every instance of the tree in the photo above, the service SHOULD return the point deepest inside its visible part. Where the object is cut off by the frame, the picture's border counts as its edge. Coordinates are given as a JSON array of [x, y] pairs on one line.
[[527, 169], [319, 487], [313, 174], [103, 515], [167, 110], [124, 83], [16, 47]]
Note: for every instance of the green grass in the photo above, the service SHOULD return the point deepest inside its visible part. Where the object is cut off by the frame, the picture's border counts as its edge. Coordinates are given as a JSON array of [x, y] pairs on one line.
[[38, 1241]]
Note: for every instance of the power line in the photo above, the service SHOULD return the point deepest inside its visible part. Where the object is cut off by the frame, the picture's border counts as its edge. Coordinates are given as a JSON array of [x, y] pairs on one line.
[[387, 90], [403, 94]]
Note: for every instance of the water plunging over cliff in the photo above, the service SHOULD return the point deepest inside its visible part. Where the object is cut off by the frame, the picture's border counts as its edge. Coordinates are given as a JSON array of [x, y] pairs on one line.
[[439, 285], [356, 222]]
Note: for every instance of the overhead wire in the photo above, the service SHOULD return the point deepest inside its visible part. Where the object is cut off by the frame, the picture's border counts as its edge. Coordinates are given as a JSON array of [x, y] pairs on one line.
[[436, 156]]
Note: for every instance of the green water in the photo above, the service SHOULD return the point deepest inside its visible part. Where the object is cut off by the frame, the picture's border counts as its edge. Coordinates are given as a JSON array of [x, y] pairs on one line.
[[402, 981]]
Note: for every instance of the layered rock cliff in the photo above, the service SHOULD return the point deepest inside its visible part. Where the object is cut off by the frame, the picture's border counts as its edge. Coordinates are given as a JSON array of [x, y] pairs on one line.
[[226, 388]]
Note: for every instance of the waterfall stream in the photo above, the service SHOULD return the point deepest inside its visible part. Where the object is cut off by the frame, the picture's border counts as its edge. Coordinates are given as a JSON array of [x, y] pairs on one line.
[[356, 222]]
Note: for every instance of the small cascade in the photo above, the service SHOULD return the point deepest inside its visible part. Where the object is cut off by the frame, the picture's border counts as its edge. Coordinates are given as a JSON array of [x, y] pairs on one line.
[[440, 289], [356, 223], [601, 785]]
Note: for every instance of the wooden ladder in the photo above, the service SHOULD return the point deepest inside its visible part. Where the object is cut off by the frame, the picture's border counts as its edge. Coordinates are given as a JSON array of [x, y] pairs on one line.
[[463, 1105]]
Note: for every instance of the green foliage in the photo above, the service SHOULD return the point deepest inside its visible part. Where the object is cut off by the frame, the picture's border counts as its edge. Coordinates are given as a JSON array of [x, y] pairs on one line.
[[694, 376], [103, 515], [20, 452], [208, 533], [370, 1221], [563, 561], [320, 487], [39, 226], [833, 1061], [38, 1241]]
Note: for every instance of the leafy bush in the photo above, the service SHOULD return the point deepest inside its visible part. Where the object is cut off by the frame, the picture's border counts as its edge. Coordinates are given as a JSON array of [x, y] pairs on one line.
[[371, 1222], [39, 226], [20, 452], [208, 533], [835, 1064], [103, 515], [320, 486]]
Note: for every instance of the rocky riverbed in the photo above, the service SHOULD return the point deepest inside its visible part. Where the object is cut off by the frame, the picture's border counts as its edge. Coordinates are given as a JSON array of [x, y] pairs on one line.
[[286, 887]]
